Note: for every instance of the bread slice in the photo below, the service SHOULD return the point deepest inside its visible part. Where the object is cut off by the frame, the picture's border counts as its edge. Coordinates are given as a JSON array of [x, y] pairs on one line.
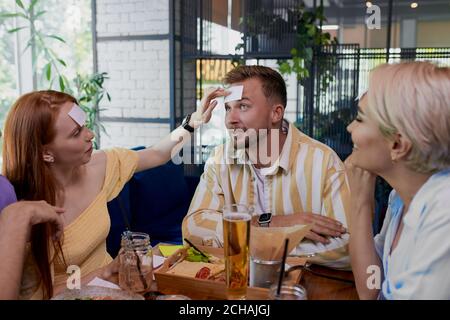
[[190, 269]]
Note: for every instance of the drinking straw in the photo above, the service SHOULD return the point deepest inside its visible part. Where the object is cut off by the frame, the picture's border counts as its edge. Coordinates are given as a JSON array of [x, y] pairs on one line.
[[130, 238], [283, 262], [138, 260]]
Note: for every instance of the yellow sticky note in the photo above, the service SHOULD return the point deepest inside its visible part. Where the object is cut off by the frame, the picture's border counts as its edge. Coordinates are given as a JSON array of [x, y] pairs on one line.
[[168, 250]]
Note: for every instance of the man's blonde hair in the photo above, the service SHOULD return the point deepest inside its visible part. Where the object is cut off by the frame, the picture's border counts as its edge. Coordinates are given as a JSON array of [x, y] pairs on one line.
[[413, 99]]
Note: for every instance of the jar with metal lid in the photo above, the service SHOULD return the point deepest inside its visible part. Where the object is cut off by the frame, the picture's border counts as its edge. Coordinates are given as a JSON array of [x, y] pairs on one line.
[[288, 292], [135, 262]]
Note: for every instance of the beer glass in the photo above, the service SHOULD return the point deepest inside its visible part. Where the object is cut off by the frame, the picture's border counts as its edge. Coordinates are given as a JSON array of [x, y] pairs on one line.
[[236, 237]]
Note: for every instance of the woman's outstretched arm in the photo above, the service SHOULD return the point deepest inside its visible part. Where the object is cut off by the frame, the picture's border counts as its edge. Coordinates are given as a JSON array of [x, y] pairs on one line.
[[170, 145]]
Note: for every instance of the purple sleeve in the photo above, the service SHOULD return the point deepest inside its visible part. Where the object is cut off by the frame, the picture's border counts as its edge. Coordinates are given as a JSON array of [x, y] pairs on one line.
[[7, 194]]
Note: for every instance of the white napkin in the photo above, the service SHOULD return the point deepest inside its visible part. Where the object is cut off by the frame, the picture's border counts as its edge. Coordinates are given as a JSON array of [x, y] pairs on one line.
[[158, 261], [103, 283]]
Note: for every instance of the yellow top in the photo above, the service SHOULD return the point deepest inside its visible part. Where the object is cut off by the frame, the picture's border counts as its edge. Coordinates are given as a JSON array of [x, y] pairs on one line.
[[84, 241]]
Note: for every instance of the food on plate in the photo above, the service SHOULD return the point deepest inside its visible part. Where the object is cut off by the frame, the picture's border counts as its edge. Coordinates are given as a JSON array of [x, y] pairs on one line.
[[194, 255], [96, 293], [95, 298], [199, 270], [203, 273]]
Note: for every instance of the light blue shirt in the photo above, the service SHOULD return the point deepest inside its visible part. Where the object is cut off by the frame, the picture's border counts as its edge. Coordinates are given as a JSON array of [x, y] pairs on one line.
[[419, 267]]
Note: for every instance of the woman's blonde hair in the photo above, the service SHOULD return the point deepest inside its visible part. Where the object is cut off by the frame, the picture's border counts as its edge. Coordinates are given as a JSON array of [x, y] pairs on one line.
[[413, 99]]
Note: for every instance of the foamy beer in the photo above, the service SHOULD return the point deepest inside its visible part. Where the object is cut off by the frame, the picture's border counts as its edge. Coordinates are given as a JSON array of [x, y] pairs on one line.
[[236, 237]]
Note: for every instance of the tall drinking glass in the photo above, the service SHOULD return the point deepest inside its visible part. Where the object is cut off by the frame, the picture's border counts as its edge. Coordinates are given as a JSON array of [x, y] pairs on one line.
[[236, 237]]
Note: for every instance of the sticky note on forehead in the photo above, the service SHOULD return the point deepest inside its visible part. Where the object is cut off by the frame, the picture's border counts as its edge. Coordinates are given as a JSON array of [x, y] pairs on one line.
[[235, 93], [78, 115]]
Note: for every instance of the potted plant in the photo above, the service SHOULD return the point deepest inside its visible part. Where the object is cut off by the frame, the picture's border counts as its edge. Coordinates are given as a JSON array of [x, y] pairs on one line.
[[309, 37], [265, 31], [87, 89]]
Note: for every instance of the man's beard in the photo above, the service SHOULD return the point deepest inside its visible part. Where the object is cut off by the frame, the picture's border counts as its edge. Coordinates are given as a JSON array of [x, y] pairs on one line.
[[247, 138], [259, 148]]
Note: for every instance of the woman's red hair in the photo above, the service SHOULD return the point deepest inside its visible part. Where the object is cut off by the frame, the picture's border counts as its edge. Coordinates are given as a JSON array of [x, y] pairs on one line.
[[28, 128]]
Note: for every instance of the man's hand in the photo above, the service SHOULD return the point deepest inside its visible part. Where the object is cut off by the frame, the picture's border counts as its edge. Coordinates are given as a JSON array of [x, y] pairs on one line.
[[322, 226], [110, 271], [36, 212]]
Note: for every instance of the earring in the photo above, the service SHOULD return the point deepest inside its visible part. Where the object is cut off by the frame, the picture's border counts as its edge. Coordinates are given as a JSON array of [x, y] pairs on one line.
[[49, 158]]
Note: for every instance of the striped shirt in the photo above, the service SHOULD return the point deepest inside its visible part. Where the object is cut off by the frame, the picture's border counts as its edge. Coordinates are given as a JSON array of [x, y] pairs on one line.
[[419, 266], [307, 177]]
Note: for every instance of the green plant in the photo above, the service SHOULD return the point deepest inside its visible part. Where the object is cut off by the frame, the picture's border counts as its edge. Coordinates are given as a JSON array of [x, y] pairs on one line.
[[309, 38], [87, 89], [261, 22], [89, 92]]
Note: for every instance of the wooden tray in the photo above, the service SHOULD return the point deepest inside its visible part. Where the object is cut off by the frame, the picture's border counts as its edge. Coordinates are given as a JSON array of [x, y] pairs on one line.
[[205, 289]]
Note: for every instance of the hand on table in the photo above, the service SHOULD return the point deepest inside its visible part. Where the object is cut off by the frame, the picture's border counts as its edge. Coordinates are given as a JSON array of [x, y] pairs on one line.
[[110, 272], [322, 228]]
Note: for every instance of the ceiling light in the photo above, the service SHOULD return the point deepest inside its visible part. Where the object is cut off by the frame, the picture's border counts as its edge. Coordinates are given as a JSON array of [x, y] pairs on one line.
[[414, 5]]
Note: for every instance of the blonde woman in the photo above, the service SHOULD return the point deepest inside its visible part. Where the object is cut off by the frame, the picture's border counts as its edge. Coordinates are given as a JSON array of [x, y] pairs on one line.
[[402, 133]]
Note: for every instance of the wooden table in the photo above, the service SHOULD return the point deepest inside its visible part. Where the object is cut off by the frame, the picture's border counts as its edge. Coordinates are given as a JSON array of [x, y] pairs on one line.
[[339, 286], [319, 287], [313, 278]]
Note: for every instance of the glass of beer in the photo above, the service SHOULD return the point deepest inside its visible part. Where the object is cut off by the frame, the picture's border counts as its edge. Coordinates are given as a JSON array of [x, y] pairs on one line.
[[236, 237]]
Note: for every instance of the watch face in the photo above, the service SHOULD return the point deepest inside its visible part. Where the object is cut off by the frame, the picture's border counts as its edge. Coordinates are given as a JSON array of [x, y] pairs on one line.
[[265, 217]]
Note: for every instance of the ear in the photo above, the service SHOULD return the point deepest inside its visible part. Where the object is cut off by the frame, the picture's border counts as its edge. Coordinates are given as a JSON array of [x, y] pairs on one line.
[[277, 113], [400, 147], [48, 156]]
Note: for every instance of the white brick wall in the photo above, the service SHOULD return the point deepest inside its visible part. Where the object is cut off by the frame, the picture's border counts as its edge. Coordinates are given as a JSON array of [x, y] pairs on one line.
[[128, 135], [132, 17], [139, 70], [139, 78]]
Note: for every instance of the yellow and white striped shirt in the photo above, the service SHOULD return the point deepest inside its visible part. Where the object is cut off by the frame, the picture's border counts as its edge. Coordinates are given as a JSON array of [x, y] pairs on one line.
[[307, 177]]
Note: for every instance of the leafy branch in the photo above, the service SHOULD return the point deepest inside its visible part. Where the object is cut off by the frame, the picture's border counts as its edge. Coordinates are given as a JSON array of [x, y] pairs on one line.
[[87, 89], [309, 38]]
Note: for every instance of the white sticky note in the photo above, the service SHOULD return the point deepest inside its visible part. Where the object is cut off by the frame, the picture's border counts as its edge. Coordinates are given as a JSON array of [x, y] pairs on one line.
[[158, 261], [235, 93], [103, 283], [78, 115]]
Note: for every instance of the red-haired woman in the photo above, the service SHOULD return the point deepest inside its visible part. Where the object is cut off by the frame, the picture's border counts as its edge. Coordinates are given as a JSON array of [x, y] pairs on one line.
[[48, 155]]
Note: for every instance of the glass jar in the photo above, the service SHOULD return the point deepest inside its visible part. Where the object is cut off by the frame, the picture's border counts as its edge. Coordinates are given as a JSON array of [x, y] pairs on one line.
[[288, 292], [136, 262], [173, 297]]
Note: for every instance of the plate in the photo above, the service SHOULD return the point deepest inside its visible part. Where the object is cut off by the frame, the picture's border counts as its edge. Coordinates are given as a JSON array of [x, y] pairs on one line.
[[97, 293]]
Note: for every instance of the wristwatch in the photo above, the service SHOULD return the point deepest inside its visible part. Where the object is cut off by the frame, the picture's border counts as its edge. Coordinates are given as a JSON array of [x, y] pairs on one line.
[[186, 125], [264, 219]]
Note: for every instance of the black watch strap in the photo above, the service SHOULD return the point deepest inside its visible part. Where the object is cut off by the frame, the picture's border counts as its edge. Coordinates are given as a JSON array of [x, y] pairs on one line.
[[186, 125], [265, 219]]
